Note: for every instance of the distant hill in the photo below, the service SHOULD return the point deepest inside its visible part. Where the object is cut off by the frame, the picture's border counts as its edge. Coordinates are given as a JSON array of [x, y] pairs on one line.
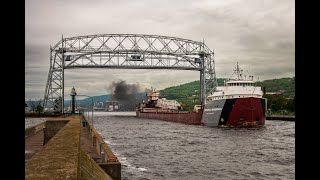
[[184, 90], [186, 94], [85, 101], [284, 85]]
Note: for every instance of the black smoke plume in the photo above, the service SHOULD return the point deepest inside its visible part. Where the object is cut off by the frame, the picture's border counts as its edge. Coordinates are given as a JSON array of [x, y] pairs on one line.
[[128, 95]]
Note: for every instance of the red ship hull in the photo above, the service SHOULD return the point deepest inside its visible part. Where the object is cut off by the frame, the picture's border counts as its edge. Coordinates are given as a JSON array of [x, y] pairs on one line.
[[180, 117], [247, 112], [235, 112]]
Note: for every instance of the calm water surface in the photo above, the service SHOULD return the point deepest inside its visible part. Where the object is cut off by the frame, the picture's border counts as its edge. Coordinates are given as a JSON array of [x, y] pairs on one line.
[[154, 149]]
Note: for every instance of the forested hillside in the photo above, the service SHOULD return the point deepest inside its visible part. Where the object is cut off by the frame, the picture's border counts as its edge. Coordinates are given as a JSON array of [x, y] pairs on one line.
[[283, 85], [188, 94]]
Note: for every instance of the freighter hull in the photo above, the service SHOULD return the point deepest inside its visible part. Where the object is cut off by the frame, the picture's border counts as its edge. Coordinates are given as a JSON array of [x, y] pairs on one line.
[[236, 112], [180, 117]]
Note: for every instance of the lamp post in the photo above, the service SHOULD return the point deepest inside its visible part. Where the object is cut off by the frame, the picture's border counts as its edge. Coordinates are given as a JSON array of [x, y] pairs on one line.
[[73, 94], [270, 112]]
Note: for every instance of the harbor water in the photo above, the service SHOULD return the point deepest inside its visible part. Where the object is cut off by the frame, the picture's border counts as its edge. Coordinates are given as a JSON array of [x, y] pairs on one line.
[[155, 149]]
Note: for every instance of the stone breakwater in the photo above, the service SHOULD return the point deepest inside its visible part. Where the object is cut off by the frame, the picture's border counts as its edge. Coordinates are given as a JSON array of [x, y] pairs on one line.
[[66, 156]]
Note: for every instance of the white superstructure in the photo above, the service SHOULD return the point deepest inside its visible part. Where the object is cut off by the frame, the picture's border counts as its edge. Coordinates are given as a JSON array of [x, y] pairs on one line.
[[167, 104], [237, 87]]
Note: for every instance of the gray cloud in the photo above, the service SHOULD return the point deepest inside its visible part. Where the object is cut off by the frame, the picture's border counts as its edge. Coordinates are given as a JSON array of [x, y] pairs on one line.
[[260, 35]]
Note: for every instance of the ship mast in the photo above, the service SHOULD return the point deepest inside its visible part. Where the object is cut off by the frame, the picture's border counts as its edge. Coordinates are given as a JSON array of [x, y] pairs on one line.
[[238, 71]]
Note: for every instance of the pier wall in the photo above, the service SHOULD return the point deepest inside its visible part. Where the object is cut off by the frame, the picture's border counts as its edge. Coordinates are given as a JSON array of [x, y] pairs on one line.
[[281, 117], [110, 162], [52, 127], [61, 157], [90, 169], [32, 130]]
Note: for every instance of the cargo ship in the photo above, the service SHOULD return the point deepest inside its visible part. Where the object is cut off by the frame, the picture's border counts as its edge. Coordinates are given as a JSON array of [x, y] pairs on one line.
[[167, 110], [238, 103]]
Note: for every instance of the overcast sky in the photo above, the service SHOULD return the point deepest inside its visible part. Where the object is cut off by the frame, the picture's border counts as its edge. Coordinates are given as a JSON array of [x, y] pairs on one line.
[[259, 34]]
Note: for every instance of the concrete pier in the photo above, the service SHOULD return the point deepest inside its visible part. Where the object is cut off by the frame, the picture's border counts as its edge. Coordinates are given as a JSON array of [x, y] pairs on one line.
[[62, 148], [281, 117], [33, 140]]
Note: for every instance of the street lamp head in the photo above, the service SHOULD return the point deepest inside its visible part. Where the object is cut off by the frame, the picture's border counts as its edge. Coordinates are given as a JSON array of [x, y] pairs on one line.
[[73, 92]]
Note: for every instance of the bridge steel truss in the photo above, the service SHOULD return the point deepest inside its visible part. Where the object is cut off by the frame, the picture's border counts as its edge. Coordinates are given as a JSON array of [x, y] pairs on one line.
[[127, 51]]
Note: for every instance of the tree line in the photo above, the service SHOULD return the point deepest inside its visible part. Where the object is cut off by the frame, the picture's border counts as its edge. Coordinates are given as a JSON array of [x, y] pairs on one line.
[[35, 106]]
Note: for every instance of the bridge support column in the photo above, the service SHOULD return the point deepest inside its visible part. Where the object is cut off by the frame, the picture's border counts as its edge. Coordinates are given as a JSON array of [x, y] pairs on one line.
[[202, 80], [62, 63], [202, 88]]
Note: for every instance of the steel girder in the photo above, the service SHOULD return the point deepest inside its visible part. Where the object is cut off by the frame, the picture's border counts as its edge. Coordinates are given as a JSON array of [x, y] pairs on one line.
[[129, 51]]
